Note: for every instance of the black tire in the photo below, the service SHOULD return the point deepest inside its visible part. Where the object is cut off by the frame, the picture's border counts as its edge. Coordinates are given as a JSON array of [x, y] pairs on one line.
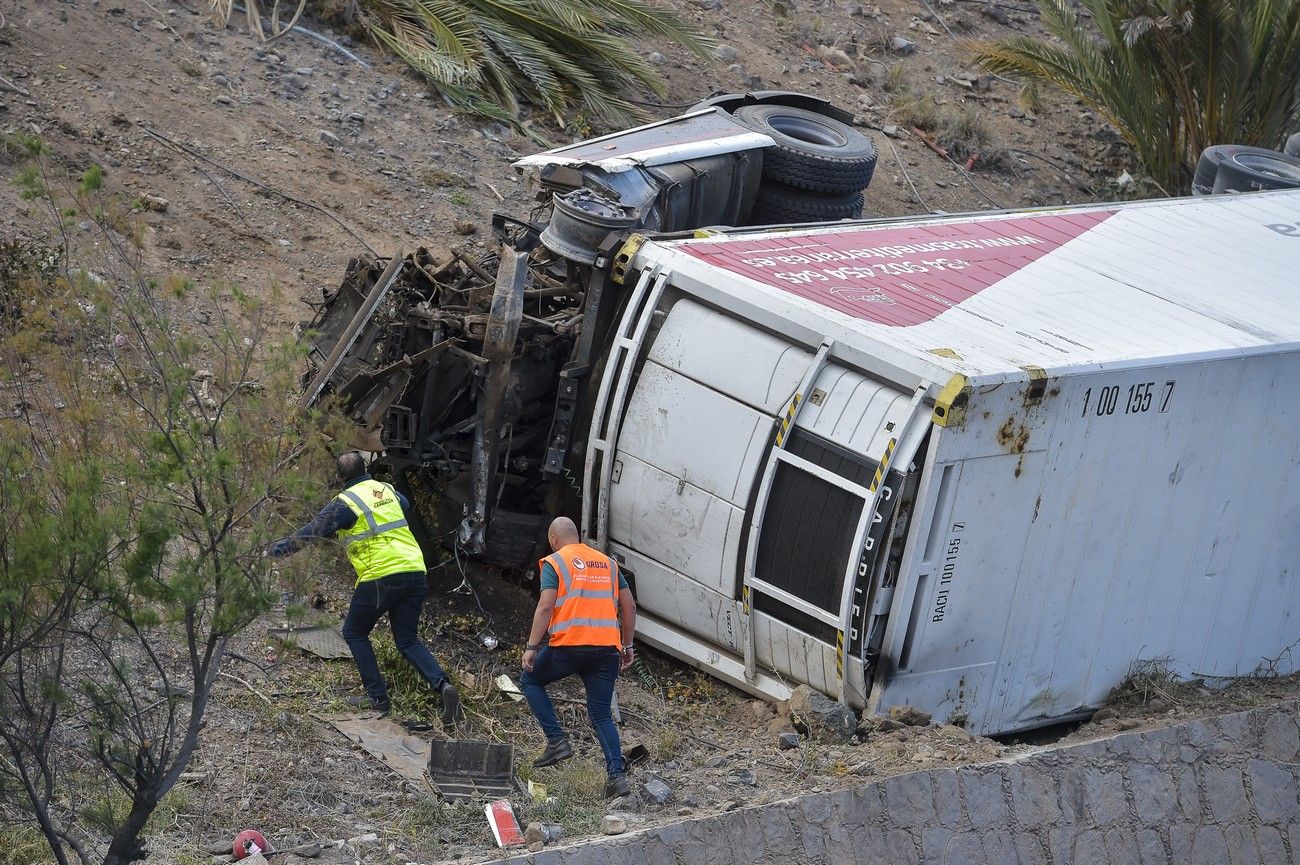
[[1249, 169], [1207, 168], [812, 151], [778, 204]]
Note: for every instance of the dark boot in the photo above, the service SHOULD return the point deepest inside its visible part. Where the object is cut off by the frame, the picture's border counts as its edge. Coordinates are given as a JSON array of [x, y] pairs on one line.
[[617, 786], [554, 753], [451, 712]]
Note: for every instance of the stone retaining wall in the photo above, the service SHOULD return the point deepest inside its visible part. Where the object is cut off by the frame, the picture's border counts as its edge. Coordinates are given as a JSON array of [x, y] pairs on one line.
[[1220, 791]]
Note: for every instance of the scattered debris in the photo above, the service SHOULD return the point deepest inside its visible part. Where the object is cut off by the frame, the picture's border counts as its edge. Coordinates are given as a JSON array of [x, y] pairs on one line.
[[929, 142], [249, 843], [463, 770], [612, 824], [388, 741], [329, 138], [543, 833], [787, 741], [899, 45], [320, 641], [863, 769], [154, 203], [636, 755], [507, 686], [505, 826]]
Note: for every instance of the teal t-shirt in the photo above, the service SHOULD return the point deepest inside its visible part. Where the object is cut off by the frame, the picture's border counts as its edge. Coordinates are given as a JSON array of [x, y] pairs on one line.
[[551, 580]]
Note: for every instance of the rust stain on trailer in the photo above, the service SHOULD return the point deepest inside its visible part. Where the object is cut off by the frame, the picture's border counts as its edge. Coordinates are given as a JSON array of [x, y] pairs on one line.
[[1013, 436]]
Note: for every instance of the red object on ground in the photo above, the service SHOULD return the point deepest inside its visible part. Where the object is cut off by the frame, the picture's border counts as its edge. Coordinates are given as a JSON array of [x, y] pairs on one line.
[[505, 827], [249, 842]]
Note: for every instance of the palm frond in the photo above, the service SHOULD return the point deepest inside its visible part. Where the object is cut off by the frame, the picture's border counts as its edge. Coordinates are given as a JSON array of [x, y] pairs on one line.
[[636, 18], [1172, 76], [566, 56]]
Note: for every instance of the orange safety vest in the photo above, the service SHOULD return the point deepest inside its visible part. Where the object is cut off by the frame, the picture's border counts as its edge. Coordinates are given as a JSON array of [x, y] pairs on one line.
[[586, 603]]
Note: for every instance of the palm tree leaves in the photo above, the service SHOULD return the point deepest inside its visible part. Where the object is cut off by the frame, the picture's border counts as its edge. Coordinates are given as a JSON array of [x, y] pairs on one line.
[[1172, 76], [567, 56]]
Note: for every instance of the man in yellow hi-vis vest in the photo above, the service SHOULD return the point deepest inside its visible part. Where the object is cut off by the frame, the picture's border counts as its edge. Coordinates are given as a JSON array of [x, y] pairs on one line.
[[369, 519], [587, 609]]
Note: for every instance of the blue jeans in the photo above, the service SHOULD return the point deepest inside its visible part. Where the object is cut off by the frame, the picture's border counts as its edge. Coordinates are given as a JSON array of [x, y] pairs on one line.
[[598, 667], [401, 596]]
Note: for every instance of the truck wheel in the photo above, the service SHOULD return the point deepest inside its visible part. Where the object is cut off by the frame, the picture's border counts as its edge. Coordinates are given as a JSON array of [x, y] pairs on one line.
[[812, 151], [777, 204], [1247, 169], [1207, 168]]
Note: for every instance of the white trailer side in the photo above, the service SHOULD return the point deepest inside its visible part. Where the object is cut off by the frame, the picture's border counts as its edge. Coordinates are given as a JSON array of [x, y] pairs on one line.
[[975, 464]]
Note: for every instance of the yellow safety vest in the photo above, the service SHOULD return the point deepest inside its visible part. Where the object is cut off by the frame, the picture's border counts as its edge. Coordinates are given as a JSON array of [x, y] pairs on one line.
[[379, 542]]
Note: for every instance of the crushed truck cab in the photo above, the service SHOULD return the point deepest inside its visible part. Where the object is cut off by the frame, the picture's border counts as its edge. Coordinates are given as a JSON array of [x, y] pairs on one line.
[[979, 464]]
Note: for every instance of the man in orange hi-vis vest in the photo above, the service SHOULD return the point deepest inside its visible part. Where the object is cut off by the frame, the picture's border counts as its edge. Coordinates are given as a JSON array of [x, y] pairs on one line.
[[588, 611]]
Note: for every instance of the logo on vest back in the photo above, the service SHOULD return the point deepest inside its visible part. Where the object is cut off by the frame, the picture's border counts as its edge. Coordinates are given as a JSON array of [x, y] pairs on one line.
[[579, 564]]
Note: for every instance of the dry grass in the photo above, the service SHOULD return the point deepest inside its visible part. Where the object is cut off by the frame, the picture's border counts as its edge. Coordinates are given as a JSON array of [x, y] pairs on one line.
[[962, 130], [1150, 680], [22, 844]]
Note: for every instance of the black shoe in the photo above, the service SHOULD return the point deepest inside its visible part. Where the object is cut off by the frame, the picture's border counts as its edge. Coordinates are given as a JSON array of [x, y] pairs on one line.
[[554, 753], [451, 713], [617, 786], [366, 704]]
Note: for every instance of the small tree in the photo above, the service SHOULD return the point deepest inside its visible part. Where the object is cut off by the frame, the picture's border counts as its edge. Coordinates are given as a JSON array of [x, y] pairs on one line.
[[135, 488], [1172, 76]]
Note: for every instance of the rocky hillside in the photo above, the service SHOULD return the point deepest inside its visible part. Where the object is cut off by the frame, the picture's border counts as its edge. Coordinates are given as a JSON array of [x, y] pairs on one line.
[[269, 167]]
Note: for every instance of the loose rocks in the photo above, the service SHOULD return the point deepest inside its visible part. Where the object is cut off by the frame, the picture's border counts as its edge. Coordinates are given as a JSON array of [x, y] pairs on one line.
[[657, 791], [821, 716], [910, 715]]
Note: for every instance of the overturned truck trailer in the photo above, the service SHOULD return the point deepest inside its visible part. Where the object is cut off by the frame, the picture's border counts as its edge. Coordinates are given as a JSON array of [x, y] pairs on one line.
[[977, 464]]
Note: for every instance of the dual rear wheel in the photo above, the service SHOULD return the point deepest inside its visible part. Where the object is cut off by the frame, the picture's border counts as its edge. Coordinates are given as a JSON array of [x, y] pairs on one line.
[[816, 170]]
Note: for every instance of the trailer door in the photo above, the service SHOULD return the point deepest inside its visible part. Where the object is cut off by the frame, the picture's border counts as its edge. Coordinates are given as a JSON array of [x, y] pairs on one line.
[[749, 489], [819, 522]]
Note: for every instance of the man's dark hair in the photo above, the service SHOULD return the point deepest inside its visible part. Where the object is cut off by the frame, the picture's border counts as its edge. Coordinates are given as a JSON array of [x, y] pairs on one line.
[[350, 465]]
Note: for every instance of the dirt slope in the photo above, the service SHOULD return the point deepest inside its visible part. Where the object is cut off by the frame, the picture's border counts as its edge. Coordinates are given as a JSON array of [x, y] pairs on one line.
[[384, 156], [170, 105]]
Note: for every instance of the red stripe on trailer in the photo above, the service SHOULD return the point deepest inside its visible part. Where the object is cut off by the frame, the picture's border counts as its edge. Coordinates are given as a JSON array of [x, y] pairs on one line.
[[897, 276]]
